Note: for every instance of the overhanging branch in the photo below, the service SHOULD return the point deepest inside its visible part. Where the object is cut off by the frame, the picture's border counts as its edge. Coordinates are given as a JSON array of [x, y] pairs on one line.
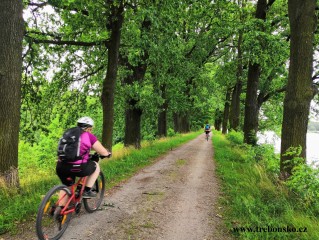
[[69, 43], [91, 73]]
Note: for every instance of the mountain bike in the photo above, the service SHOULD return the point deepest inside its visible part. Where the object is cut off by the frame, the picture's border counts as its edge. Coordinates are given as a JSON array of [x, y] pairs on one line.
[[52, 219]]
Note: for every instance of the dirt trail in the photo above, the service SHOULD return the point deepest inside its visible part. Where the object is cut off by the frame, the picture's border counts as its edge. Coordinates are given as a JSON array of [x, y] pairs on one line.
[[174, 199]]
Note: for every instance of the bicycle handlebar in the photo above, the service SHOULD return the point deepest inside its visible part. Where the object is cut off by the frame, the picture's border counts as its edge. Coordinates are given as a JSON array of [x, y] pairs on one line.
[[96, 157]]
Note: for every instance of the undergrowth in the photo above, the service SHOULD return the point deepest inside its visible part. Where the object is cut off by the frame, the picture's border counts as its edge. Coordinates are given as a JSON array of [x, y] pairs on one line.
[[258, 205]]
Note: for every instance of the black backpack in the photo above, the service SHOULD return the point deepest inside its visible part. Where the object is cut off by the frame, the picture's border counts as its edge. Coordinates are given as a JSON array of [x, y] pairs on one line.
[[69, 145]]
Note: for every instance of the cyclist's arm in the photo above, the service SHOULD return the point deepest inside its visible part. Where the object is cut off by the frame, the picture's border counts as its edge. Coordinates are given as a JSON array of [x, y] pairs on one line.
[[98, 147]]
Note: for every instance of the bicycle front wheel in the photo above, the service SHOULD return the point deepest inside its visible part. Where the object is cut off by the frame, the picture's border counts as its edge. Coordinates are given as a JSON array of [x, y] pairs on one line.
[[92, 204], [50, 224]]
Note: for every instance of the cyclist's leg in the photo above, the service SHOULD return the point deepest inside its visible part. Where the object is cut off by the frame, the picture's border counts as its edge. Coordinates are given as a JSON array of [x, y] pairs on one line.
[[92, 204], [67, 178], [92, 171], [92, 177], [63, 200]]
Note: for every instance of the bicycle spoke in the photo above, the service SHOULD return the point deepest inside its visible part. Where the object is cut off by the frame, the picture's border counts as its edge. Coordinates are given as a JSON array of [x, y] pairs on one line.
[[50, 223]]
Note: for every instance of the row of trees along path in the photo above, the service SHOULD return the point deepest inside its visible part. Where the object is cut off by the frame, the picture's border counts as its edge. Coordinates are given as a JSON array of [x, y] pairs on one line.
[[144, 67]]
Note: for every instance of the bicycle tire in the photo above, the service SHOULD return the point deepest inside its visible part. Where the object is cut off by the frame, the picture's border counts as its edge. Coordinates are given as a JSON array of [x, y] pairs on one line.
[[49, 224], [92, 204]]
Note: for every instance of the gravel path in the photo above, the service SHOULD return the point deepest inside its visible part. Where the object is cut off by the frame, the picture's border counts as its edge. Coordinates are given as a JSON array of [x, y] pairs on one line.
[[175, 198]]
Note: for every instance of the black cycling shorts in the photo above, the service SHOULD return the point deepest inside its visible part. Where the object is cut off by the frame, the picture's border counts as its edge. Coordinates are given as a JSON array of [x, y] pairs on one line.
[[66, 170], [207, 131]]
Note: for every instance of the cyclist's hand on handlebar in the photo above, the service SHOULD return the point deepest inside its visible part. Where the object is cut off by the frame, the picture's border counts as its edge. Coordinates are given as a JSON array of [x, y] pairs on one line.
[[94, 157], [107, 156]]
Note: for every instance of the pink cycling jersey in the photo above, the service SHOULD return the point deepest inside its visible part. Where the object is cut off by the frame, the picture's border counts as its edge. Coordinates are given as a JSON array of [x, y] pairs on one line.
[[86, 142]]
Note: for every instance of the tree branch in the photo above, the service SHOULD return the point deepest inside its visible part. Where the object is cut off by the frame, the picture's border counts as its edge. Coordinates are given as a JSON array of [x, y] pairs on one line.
[[91, 73], [70, 43], [221, 40], [270, 3], [54, 35], [315, 77], [262, 99], [38, 5]]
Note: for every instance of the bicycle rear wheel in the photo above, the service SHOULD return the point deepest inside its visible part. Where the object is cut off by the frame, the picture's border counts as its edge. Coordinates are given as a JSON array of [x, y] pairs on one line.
[[92, 204], [50, 224]]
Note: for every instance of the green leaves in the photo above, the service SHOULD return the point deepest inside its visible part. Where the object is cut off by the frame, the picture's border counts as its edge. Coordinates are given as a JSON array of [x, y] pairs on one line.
[[189, 46]]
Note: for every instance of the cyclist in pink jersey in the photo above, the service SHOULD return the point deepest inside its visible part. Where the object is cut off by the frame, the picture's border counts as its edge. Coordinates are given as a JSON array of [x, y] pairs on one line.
[[83, 167]]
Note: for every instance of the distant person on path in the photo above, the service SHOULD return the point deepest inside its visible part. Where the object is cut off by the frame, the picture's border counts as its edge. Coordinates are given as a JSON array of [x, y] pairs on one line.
[[207, 128], [82, 167]]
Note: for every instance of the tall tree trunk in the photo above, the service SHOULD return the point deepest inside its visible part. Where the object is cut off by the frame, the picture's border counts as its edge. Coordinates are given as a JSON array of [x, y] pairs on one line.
[[299, 91], [11, 35], [218, 119], [185, 123], [176, 121], [181, 122], [226, 112], [251, 108], [134, 112], [162, 115], [114, 26], [181, 119], [133, 125], [234, 118]]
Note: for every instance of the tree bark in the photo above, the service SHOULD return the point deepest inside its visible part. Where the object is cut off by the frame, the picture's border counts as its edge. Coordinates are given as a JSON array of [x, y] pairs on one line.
[[134, 112], [181, 122], [226, 112], [218, 119], [114, 25], [299, 91], [251, 108], [162, 115], [133, 125], [181, 118], [234, 115], [11, 35]]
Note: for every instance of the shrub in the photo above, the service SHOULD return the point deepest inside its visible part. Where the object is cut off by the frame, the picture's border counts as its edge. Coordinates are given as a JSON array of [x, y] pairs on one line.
[[171, 132], [265, 155], [305, 184], [235, 137]]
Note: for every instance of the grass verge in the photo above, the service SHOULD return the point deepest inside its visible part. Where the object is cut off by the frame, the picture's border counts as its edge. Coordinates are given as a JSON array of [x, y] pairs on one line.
[[257, 205]]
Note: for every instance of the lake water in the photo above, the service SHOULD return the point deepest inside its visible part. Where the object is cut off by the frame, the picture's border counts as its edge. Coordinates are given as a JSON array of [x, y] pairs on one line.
[[270, 137]]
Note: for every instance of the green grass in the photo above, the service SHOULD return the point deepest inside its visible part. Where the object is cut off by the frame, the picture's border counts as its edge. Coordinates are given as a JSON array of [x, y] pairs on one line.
[[19, 205], [254, 197]]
